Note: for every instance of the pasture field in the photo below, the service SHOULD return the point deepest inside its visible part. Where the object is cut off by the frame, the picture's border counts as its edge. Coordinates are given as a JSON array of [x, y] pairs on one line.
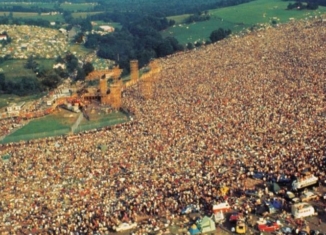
[[15, 69], [237, 18], [28, 4], [74, 7], [33, 15], [84, 15]]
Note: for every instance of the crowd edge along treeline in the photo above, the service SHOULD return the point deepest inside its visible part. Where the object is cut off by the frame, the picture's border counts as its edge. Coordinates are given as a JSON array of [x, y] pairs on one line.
[[139, 37]]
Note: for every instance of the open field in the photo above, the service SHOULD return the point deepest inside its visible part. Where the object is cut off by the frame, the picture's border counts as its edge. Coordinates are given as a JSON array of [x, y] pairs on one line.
[[74, 7], [60, 122], [237, 18], [98, 120], [15, 69], [33, 15], [51, 125], [65, 6], [84, 14], [28, 4]]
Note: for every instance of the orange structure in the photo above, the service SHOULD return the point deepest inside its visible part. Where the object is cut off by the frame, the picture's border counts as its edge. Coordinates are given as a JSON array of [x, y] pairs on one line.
[[115, 95], [134, 72], [104, 94], [147, 85]]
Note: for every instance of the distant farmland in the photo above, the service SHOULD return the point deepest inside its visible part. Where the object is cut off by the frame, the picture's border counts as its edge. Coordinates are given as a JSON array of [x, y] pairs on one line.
[[237, 18]]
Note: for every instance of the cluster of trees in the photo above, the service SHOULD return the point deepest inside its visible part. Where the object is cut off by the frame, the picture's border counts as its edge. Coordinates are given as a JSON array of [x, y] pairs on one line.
[[302, 6], [25, 86], [219, 34], [45, 79], [200, 16], [139, 40], [310, 2]]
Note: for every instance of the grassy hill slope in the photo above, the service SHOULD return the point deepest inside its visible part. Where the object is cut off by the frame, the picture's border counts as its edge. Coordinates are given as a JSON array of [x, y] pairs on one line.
[[237, 18]]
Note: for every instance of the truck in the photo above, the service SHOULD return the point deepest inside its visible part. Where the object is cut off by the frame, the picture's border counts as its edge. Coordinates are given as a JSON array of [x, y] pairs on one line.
[[301, 210], [304, 182]]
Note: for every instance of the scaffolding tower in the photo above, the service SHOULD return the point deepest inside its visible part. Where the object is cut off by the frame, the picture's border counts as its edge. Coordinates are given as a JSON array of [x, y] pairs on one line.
[[134, 71]]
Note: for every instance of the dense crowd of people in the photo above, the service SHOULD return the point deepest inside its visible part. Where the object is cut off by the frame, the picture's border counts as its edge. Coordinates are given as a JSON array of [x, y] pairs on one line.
[[9, 124], [252, 103]]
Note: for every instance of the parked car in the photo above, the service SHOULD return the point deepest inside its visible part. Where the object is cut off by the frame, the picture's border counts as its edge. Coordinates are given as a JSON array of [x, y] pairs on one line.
[[125, 226], [269, 226], [235, 216], [308, 196], [241, 227], [290, 196]]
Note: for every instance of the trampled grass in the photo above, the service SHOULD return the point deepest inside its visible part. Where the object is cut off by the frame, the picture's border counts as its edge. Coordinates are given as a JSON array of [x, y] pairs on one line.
[[238, 18]]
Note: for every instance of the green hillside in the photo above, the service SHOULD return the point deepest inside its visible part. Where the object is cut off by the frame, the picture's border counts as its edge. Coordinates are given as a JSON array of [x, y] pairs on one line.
[[237, 18]]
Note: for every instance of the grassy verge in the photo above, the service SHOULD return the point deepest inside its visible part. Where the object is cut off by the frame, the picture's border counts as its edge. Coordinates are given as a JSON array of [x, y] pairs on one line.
[[237, 18]]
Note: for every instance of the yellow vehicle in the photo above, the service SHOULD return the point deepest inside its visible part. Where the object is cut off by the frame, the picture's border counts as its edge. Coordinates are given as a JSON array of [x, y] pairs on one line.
[[241, 227]]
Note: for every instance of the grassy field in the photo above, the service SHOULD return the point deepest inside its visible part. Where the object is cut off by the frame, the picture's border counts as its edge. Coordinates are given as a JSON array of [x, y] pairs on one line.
[[237, 18], [83, 15], [15, 69], [51, 125], [98, 120], [65, 6], [33, 15], [77, 7], [60, 122]]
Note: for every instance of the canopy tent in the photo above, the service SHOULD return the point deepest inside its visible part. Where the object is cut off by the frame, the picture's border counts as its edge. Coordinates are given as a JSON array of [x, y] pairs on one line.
[[193, 230], [206, 225]]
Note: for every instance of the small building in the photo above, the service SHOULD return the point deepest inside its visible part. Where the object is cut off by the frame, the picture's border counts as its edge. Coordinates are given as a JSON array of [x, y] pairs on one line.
[[3, 37], [14, 109]]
